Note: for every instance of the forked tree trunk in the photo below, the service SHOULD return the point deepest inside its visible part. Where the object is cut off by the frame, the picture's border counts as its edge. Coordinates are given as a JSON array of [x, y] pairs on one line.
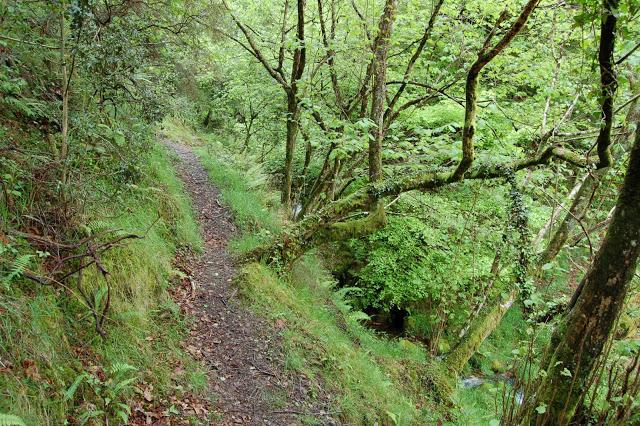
[[579, 340], [378, 98]]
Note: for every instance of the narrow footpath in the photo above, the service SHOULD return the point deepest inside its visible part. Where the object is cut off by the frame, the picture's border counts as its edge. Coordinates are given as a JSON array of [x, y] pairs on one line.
[[242, 352]]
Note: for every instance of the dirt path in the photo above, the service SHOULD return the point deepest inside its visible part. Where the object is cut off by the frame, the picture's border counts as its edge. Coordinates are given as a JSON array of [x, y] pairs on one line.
[[241, 351]]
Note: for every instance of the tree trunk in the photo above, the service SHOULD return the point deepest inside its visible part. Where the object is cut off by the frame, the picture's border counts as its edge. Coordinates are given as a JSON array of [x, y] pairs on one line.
[[489, 319], [480, 329], [64, 145], [608, 79], [378, 98], [293, 105], [293, 114], [207, 119], [548, 225], [579, 340]]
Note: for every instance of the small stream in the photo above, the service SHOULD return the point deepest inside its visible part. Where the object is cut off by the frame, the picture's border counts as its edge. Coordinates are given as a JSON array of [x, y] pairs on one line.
[[471, 382]]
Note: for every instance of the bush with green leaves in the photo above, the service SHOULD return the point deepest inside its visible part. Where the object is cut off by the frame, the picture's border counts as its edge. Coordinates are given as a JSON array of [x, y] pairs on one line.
[[409, 264]]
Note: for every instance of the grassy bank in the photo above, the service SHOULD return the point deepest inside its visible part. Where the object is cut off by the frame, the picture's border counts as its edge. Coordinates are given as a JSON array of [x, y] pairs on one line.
[[50, 351]]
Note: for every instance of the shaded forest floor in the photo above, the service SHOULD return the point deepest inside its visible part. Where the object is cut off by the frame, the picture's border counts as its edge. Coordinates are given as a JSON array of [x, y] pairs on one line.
[[241, 352]]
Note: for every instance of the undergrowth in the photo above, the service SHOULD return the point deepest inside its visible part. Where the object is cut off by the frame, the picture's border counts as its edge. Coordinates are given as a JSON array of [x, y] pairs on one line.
[[48, 347]]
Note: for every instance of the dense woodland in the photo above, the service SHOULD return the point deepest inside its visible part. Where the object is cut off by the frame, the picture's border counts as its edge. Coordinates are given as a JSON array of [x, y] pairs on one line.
[[437, 200]]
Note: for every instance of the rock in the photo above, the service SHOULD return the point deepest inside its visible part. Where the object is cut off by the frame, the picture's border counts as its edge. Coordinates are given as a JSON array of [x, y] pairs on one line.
[[471, 382], [498, 366], [408, 345]]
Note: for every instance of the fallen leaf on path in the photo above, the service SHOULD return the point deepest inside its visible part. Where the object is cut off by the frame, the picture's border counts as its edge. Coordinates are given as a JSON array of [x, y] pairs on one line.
[[31, 369], [148, 396]]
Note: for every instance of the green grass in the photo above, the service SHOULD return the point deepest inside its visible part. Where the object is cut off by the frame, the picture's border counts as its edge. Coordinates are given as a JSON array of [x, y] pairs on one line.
[[53, 330], [242, 191], [478, 406]]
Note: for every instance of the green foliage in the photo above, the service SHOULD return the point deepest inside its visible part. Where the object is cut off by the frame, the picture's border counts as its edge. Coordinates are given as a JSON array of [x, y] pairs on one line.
[[11, 420], [13, 100], [112, 391], [410, 263], [400, 264], [12, 264]]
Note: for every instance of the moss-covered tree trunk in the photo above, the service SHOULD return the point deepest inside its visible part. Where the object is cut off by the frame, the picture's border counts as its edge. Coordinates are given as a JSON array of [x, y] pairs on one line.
[[480, 329], [293, 104], [378, 99], [579, 340], [293, 115]]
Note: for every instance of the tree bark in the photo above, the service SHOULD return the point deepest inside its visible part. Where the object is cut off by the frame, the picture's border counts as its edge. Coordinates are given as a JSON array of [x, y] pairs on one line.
[[480, 329], [578, 341], [207, 118], [293, 106], [608, 79], [293, 115], [378, 98]]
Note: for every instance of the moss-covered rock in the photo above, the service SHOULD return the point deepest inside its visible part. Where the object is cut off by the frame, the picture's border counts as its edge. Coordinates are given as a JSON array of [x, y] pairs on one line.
[[497, 366]]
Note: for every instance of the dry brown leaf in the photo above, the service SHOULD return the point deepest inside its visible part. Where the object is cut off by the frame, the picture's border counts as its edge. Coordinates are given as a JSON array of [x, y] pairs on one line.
[[147, 393], [31, 369]]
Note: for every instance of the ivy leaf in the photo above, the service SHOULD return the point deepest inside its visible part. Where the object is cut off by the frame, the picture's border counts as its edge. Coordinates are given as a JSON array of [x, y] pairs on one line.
[[541, 409], [118, 138]]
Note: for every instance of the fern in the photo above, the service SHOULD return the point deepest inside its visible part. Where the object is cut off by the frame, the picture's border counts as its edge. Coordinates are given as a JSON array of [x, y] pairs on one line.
[[359, 316], [255, 177], [16, 268], [91, 414], [19, 105], [118, 368], [11, 420], [95, 226], [74, 386], [19, 266]]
